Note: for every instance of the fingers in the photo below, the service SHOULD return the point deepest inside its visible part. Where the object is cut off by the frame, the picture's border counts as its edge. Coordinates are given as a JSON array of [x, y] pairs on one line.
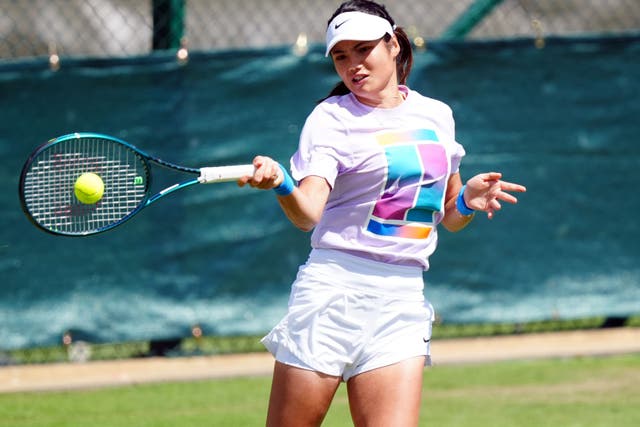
[[266, 176], [506, 197], [510, 186], [487, 190], [491, 176], [484, 181]]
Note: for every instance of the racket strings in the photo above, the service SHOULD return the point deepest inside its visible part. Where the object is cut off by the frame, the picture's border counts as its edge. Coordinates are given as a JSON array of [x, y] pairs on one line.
[[49, 185]]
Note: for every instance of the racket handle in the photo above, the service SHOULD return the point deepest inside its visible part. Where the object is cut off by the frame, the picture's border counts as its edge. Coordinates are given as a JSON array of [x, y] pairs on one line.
[[224, 173]]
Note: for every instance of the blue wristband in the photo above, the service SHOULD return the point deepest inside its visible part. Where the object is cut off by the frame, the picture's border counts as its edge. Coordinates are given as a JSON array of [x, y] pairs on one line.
[[461, 205], [287, 185]]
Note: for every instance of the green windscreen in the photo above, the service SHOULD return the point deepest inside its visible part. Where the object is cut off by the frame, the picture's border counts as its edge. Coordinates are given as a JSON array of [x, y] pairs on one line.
[[562, 120]]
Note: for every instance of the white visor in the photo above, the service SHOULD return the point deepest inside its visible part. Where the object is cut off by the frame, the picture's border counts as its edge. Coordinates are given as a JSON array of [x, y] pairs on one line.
[[356, 26]]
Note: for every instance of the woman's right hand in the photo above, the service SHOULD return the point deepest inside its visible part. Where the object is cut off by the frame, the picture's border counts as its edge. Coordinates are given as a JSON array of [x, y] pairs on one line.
[[267, 174]]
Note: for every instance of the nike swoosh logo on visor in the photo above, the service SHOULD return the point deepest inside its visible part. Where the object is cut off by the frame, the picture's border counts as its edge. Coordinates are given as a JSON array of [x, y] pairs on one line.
[[339, 25]]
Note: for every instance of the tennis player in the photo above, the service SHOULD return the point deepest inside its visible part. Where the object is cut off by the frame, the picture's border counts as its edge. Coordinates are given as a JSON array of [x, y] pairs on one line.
[[377, 169]]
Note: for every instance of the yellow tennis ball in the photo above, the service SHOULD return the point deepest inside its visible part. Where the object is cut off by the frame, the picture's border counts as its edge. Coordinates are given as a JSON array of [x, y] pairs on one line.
[[89, 188]]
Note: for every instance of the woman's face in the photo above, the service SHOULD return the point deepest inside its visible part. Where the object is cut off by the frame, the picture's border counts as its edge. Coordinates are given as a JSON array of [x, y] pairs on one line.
[[368, 68]]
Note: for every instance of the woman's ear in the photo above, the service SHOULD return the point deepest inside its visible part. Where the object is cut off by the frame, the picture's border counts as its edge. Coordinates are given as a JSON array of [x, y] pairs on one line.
[[394, 47]]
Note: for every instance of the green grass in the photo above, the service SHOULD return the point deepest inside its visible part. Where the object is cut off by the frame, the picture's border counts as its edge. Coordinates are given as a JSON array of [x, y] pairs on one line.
[[594, 392]]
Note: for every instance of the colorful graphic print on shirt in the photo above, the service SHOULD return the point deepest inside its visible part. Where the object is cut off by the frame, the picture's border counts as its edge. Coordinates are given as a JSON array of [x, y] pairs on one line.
[[414, 189]]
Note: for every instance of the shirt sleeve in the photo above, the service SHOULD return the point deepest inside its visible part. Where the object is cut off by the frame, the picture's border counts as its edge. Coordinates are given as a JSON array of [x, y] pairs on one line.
[[317, 154], [457, 150]]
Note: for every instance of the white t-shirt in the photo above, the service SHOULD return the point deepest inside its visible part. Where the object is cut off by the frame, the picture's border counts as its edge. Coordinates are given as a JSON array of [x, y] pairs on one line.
[[388, 170]]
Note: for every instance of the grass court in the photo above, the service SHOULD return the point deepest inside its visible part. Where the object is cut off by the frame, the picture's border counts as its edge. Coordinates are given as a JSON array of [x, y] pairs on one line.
[[572, 392]]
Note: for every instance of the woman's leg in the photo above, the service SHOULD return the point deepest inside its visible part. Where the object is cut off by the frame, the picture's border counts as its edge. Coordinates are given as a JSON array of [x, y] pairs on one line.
[[388, 396], [299, 397]]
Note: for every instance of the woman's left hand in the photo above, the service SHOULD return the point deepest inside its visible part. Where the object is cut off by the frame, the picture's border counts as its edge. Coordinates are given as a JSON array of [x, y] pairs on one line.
[[485, 191]]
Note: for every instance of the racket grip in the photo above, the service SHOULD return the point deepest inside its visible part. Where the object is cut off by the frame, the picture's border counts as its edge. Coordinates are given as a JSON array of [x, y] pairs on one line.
[[225, 173]]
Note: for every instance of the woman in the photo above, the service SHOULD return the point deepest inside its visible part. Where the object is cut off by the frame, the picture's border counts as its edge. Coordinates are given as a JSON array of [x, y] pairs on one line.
[[377, 167]]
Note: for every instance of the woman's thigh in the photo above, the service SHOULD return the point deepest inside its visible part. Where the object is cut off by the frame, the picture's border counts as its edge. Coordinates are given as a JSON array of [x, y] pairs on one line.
[[299, 397], [388, 396]]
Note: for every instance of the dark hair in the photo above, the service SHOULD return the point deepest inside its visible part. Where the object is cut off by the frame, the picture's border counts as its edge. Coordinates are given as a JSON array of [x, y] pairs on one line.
[[404, 61]]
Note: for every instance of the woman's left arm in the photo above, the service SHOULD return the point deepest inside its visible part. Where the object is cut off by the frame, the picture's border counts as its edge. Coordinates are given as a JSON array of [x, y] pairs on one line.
[[482, 193]]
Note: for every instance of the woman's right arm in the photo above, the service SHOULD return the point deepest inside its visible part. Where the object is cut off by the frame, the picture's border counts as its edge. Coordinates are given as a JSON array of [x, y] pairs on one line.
[[304, 205]]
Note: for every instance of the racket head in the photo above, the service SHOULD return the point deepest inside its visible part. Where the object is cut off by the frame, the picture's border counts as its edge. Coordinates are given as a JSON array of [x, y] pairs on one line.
[[49, 175]]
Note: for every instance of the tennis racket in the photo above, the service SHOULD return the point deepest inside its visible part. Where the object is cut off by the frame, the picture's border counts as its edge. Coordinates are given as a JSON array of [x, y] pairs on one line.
[[48, 182]]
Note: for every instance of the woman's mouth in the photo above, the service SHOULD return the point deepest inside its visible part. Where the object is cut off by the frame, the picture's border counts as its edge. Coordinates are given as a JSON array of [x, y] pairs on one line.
[[358, 79]]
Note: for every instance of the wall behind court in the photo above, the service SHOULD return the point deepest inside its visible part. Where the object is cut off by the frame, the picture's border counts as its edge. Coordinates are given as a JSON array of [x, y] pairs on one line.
[[562, 120]]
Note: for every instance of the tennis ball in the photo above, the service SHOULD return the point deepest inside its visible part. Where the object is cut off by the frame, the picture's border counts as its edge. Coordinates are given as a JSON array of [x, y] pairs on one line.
[[89, 188]]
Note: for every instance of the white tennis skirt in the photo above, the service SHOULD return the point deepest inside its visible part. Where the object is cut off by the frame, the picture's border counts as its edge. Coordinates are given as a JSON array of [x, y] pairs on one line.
[[349, 315]]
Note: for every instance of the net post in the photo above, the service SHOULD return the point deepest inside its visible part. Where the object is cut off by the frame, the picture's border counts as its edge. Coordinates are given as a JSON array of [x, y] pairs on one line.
[[470, 18], [168, 23]]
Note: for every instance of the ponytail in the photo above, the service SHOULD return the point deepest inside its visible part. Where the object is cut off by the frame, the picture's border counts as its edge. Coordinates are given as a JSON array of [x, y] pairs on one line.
[[404, 61]]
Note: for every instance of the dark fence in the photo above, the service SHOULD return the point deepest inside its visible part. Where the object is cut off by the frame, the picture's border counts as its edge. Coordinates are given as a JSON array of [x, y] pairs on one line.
[[562, 120], [128, 27], [537, 93]]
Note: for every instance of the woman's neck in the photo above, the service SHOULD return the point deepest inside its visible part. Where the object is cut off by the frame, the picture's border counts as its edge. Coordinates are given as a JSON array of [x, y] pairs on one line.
[[391, 98]]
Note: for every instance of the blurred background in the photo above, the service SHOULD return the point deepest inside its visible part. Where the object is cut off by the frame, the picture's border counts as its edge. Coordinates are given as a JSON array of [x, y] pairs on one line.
[[544, 91]]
